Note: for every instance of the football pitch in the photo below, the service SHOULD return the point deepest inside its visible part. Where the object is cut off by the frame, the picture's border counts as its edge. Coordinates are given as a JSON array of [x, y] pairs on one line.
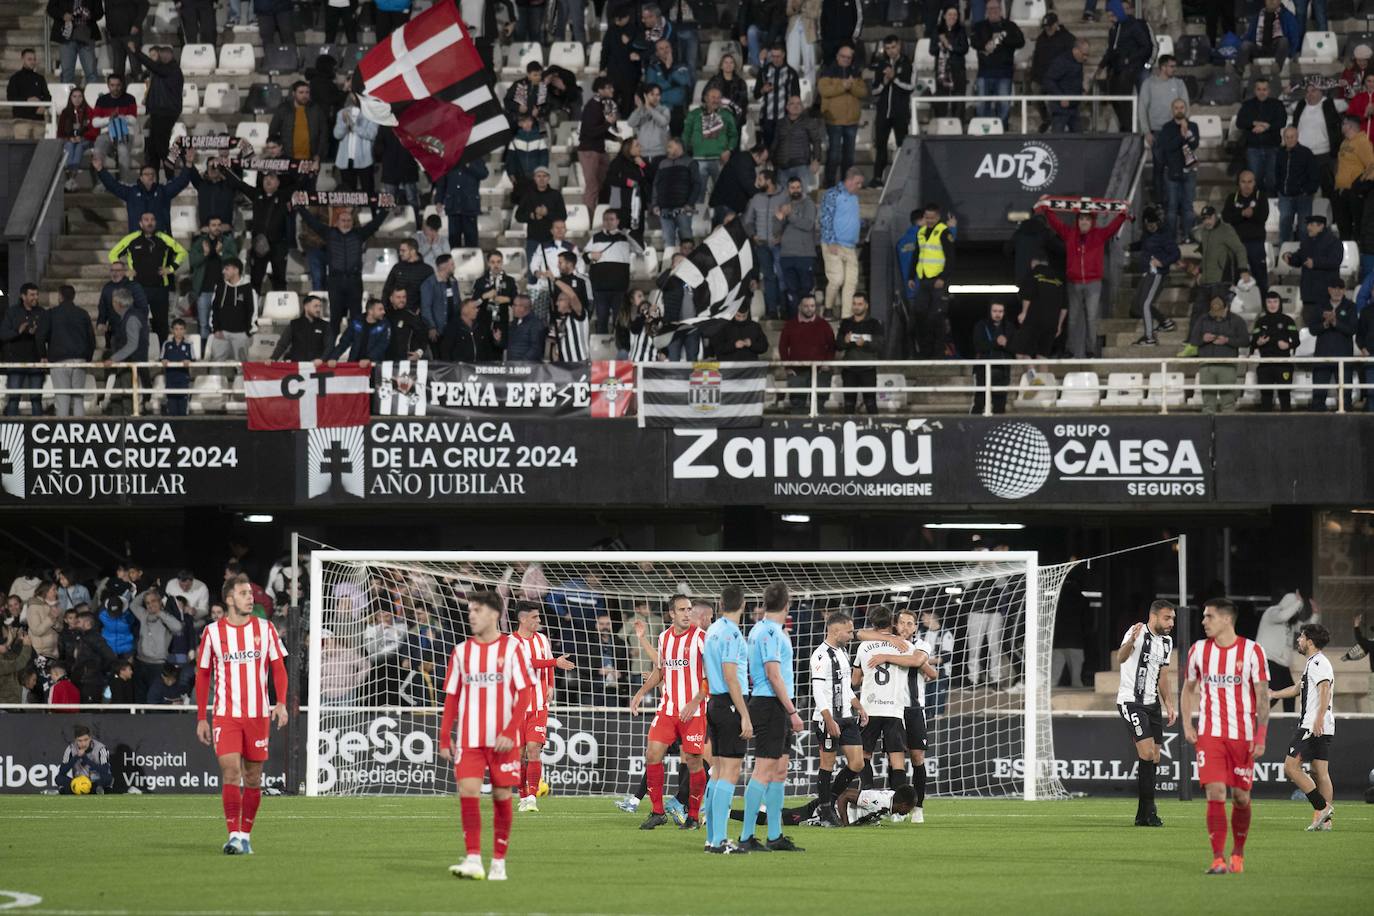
[[151, 854]]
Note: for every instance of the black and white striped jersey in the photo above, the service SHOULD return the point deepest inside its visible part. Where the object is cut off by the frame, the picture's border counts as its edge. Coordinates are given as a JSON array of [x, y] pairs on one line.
[[830, 685], [574, 337], [1317, 669], [1140, 671]]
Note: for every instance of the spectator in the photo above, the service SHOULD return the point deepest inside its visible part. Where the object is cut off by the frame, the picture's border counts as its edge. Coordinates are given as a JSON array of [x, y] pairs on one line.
[[675, 189], [950, 50], [128, 344], [734, 92], [306, 339], [892, 85], [117, 626], [76, 133], [1032, 241], [168, 690], [842, 90], [341, 18], [1319, 130], [66, 337], [496, 290], [28, 85], [43, 615], [1333, 324], [233, 315], [1065, 78], [709, 134], [409, 333], [430, 243], [163, 101], [409, 274], [1298, 172], [1220, 20], [382, 642], [1159, 253], [1156, 106], [684, 18], [177, 356], [1053, 41], [85, 655], [1219, 335], [21, 330], [841, 24], [356, 133], [776, 83], [344, 244], [621, 61], [650, 121], [539, 208], [1362, 106], [529, 96], [996, 40], [469, 339], [1319, 256], [1247, 209], [737, 183], [1176, 146], [85, 756], [214, 196], [157, 627], [303, 125], [1354, 171], [739, 339], [528, 150], [526, 337], [806, 337], [440, 294], [114, 117], [276, 31], [400, 172], [198, 21], [1352, 77], [1262, 118], [75, 27], [545, 266], [144, 196], [860, 337], [803, 32], [106, 319], [925, 255], [1223, 261], [608, 257], [1274, 34], [186, 586], [70, 593], [153, 258], [63, 691], [759, 25], [268, 227], [572, 309], [604, 667], [797, 245], [796, 150], [673, 80], [124, 23], [121, 686], [461, 190], [342, 670], [992, 337], [840, 241], [16, 655], [636, 322], [1275, 337], [365, 339], [1044, 310], [1086, 243], [627, 188], [427, 646], [209, 250], [764, 228]]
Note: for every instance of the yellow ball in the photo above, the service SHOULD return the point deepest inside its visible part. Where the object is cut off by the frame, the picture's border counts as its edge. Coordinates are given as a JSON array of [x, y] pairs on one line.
[[542, 790], [81, 785]]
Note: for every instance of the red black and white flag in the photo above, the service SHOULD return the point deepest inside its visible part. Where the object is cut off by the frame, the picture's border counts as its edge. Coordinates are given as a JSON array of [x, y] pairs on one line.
[[421, 59], [613, 388], [304, 396]]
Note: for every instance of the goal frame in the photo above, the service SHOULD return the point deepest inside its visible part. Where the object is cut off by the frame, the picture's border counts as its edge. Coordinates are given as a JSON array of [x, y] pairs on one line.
[[318, 558]]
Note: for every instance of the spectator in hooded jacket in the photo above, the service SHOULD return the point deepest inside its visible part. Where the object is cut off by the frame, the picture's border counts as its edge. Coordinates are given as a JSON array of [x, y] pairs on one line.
[[1054, 40], [21, 328], [1064, 77], [992, 340], [1159, 253], [842, 90], [233, 315], [1247, 209], [1333, 323], [1085, 245], [1275, 338], [365, 339], [739, 339], [527, 152], [66, 337], [1297, 174]]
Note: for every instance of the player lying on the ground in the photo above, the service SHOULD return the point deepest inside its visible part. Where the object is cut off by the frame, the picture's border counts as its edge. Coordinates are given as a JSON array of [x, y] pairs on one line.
[[1316, 729], [856, 808]]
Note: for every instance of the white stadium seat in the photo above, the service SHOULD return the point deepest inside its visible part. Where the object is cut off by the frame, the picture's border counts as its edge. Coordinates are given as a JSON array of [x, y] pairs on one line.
[[1080, 390], [1209, 128], [580, 221], [281, 306], [984, 127], [947, 127], [220, 98], [1036, 389], [236, 60], [1028, 13], [468, 264], [1319, 48], [1124, 389], [516, 263], [184, 221], [198, 59], [520, 55], [1165, 387], [569, 55], [378, 263], [255, 132]]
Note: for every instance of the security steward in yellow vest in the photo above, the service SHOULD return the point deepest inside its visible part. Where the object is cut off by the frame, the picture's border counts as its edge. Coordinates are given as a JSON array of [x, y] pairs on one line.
[[925, 255]]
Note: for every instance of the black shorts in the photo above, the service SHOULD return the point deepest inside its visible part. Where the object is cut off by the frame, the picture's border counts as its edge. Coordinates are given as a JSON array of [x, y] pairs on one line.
[[890, 729], [772, 731], [1309, 746], [915, 719], [1143, 720], [850, 736], [723, 727]]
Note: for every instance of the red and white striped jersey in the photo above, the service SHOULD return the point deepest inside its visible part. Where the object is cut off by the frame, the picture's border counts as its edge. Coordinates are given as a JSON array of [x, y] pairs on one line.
[[682, 658], [539, 649], [485, 677], [240, 659], [1228, 677]]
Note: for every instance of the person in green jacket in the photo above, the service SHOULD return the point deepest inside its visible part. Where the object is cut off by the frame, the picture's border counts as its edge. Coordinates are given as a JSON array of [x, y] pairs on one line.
[[1223, 262], [209, 250], [709, 134]]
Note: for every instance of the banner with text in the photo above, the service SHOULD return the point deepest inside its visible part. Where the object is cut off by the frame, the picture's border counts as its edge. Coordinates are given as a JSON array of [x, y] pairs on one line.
[[418, 388]]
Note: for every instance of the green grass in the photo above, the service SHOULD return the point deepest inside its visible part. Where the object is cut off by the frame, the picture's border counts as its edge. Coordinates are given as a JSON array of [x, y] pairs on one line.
[[161, 854]]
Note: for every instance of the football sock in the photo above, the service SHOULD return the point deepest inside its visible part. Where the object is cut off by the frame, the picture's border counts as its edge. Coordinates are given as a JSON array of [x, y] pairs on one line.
[[1216, 826], [895, 778], [1144, 787], [823, 779], [525, 779], [1315, 797], [233, 805], [642, 789], [774, 797], [654, 773], [1240, 828], [698, 786], [684, 784], [753, 800], [472, 824], [708, 803], [721, 803], [534, 771], [252, 797], [842, 782], [866, 777], [500, 823], [918, 776]]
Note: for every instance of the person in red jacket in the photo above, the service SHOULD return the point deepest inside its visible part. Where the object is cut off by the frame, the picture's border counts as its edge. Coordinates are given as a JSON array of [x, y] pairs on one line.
[[1085, 244], [63, 692], [806, 337]]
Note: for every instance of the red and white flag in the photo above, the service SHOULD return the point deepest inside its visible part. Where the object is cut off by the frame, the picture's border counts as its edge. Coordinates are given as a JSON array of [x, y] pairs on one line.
[[613, 388], [303, 396], [467, 124], [422, 58]]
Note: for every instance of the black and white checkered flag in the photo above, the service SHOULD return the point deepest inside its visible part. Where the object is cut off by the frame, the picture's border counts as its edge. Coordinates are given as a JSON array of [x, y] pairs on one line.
[[717, 275]]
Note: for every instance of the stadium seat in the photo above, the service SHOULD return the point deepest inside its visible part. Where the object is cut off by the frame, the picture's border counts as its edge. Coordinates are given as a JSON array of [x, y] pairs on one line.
[[220, 98], [255, 132], [1247, 302], [1250, 395], [596, 217], [947, 127], [1283, 268], [184, 224], [1080, 390], [166, 19], [892, 398], [516, 263], [468, 264], [1209, 128], [1164, 44], [1271, 228], [377, 263], [806, 88], [399, 221], [281, 306], [261, 345], [93, 91], [1165, 387], [1350, 260], [178, 131], [262, 98], [645, 266], [238, 400], [138, 90], [1023, 56], [698, 89], [921, 60], [971, 67], [489, 222], [516, 229], [1319, 48], [190, 97], [1028, 13], [520, 54], [984, 126], [1321, 206], [718, 49], [1124, 389], [279, 59], [593, 60], [236, 60], [1290, 296], [580, 221], [1036, 389], [198, 59], [569, 55]]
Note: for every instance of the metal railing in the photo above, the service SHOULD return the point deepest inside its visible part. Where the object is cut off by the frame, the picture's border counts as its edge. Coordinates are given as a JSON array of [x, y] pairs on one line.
[[1024, 102], [49, 123]]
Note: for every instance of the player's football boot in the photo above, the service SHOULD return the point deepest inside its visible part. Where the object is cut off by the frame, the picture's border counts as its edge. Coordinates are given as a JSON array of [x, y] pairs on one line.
[[675, 810], [231, 848], [1321, 819], [652, 821], [245, 847], [629, 804], [689, 823], [827, 816], [784, 844], [918, 815], [470, 868], [528, 803], [497, 872], [1218, 867], [1237, 865], [753, 845], [1154, 818], [897, 818]]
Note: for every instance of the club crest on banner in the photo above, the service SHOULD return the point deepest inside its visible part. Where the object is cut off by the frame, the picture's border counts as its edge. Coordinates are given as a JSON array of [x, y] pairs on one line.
[[12, 459], [703, 387]]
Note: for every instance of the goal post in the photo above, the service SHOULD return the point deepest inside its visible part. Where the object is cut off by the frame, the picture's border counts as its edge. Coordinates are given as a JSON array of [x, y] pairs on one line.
[[382, 623]]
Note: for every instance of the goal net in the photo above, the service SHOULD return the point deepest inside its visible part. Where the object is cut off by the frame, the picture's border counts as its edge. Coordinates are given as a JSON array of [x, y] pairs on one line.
[[382, 625]]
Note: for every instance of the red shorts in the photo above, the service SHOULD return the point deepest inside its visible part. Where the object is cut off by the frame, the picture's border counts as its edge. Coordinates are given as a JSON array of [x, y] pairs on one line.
[[245, 737], [475, 762], [692, 733], [535, 729], [1225, 760]]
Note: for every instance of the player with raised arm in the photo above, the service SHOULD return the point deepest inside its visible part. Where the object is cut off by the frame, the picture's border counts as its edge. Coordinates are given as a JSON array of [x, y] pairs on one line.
[[1312, 740], [236, 652], [775, 718], [727, 715], [839, 717], [916, 660], [884, 694], [1231, 675], [1145, 701], [535, 729], [487, 691], [681, 716]]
